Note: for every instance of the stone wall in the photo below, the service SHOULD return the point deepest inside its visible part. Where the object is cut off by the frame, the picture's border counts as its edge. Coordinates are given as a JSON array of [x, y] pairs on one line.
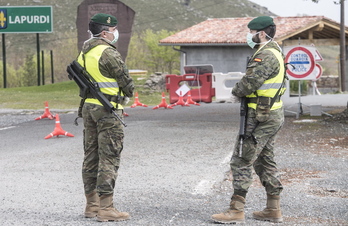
[[156, 82], [328, 81], [328, 84]]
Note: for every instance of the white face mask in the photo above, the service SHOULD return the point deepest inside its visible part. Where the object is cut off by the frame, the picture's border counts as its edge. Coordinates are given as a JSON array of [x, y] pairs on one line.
[[116, 35], [250, 41]]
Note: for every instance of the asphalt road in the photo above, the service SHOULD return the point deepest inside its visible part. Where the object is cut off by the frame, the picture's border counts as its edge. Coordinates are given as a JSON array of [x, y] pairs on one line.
[[173, 171]]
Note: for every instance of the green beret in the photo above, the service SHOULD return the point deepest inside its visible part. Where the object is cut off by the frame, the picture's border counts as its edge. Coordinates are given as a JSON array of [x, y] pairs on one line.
[[104, 19], [260, 23]]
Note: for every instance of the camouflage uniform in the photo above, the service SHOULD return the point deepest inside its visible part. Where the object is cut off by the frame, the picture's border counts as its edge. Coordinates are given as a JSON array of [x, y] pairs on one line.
[[258, 147], [103, 133]]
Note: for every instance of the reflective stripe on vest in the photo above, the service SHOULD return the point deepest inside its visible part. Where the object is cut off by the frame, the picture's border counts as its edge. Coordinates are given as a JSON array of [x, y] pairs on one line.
[[271, 86], [106, 85]]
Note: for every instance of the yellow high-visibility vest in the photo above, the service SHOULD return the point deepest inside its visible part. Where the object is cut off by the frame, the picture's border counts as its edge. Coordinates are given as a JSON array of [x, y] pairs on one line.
[[271, 86], [106, 85]]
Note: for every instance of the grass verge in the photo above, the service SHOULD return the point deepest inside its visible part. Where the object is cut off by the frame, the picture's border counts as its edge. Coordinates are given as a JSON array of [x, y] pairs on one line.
[[63, 95]]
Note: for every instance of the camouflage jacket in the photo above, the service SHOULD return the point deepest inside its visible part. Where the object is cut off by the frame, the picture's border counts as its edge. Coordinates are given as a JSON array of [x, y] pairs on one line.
[[262, 66], [111, 64]]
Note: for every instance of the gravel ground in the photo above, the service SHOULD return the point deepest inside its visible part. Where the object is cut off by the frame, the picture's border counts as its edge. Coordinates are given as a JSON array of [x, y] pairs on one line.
[[312, 159], [311, 155]]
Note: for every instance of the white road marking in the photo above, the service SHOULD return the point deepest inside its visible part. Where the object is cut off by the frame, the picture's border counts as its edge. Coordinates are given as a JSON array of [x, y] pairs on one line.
[[226, 160], [171, 220], [5, 128], [204, 186]]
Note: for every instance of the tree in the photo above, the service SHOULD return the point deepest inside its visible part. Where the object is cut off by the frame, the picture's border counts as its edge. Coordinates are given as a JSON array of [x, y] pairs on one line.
[[161, 58], [145, 52], [28, 73], [12, 80], [336, 2], [136, 53]]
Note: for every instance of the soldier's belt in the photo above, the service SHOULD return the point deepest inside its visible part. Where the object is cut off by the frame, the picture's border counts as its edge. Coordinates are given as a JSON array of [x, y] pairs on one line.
[[117, 99], [256, 100]]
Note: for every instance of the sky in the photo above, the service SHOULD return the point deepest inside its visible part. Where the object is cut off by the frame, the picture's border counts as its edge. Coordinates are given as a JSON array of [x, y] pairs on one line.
[[325, 8]]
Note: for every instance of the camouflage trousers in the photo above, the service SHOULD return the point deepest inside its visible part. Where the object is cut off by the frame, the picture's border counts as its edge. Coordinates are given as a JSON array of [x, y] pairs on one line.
[[103, 144], [258, 153]]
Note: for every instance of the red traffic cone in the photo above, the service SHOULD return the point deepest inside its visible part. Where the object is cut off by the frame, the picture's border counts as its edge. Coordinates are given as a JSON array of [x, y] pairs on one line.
[[46, 114], [58, 130], [137, 102], [163, 103], [125, 113], [189, 99], [180, 102]]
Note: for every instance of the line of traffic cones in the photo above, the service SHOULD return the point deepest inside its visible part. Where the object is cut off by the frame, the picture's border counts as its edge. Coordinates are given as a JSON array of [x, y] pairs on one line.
[[58, 130], [46, 114], [163, 103], [137, 102]]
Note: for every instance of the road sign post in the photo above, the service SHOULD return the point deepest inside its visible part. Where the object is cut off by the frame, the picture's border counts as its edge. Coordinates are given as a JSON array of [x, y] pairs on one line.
[[304, 67]]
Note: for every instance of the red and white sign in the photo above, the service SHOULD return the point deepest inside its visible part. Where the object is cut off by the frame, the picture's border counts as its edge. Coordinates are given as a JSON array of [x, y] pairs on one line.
[[302, 60], [318, 71], [318, 56], [182, 90]]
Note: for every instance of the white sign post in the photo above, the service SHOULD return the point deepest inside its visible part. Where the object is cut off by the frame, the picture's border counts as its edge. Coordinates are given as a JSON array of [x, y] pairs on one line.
[[303, 67]]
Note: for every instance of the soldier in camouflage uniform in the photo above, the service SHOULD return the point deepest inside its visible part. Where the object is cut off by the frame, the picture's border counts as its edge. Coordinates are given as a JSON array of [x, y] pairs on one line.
[[262, 86], [103, 133]]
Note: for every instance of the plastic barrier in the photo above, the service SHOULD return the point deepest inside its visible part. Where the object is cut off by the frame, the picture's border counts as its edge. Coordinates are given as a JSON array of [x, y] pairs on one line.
[[200, 86], [223, 84]]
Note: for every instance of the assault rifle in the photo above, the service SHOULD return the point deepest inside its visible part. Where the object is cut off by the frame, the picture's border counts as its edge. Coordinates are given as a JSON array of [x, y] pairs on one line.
[[81, 77], [242, 125]]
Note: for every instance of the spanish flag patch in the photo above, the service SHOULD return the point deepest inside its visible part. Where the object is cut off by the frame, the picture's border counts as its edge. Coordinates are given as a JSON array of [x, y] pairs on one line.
[[258, 59]]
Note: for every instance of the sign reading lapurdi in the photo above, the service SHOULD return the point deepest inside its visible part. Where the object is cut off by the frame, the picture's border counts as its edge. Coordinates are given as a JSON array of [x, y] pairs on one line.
[[123, 13], [26, 19]]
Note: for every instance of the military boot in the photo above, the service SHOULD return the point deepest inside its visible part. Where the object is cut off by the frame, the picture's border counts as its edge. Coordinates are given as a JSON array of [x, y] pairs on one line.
[[107, 212], [92, 206], [272, 211], [235, 214]]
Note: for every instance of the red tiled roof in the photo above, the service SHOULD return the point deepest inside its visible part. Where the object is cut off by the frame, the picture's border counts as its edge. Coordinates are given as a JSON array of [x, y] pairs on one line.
[[233, 31]]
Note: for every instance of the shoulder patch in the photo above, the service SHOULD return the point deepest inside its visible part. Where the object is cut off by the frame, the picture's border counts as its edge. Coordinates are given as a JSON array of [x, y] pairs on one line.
[[258, 59]]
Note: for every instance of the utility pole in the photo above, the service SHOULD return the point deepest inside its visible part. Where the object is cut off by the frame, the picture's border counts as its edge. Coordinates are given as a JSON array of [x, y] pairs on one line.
[[343, 49]]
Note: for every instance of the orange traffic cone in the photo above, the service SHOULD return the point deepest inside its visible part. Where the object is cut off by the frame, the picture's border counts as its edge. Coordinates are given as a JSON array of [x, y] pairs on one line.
[[137, 102], [58, 130], [180, 102], [189, 99], [46, 114], [163, 103]]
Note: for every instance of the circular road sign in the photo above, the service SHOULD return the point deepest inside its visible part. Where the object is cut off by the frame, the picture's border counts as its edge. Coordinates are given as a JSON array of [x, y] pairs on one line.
[[303, 61]]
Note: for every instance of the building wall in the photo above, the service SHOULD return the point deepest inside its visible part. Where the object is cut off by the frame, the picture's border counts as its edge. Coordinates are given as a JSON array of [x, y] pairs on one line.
[[223, 58]]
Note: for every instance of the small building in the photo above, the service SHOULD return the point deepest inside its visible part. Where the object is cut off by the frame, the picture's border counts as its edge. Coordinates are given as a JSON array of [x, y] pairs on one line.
[[222, 41]]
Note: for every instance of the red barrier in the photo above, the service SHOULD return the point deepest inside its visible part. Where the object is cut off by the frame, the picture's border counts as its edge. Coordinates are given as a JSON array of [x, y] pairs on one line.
[[200, 86]]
